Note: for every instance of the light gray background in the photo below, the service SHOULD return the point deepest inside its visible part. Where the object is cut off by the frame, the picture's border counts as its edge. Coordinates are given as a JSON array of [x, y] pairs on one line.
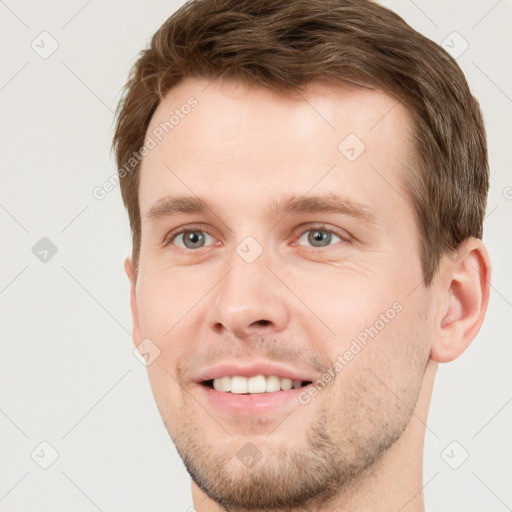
[[68, 375]]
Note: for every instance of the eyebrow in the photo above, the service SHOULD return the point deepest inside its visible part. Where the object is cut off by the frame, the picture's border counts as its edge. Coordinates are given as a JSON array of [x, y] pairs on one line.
[[328, 203]]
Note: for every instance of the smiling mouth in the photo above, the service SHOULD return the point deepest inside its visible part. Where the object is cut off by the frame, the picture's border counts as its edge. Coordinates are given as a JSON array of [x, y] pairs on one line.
[[257, 384]]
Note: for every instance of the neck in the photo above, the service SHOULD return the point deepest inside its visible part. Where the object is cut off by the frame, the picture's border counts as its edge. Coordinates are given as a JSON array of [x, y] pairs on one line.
[[393, 483]]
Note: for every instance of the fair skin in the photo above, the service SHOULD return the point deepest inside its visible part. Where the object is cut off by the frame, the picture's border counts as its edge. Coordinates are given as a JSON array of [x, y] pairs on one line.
[[357, 444]]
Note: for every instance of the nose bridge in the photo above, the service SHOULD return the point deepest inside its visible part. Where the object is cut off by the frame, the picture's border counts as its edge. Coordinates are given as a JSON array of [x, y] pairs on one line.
[[248, 298]]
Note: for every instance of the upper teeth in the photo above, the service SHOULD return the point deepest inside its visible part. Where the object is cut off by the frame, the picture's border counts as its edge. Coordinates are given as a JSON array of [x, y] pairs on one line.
[[256, 384]]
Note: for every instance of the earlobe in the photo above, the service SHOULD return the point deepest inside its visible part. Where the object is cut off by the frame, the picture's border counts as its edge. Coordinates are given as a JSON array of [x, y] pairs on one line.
[[464, 283], [128, 268]]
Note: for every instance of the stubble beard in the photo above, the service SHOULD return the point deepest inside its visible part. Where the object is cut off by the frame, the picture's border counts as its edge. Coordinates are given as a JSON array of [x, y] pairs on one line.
[[334, 456]]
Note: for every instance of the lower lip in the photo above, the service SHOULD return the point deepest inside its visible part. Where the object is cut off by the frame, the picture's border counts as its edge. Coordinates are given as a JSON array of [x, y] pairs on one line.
[[257, 403]]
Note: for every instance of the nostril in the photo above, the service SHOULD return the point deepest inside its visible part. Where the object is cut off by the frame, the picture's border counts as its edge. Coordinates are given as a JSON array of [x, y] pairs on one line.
[[263, 322]]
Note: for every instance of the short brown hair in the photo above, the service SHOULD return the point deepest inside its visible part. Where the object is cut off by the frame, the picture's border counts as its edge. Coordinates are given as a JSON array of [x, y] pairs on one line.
[[285, 45]]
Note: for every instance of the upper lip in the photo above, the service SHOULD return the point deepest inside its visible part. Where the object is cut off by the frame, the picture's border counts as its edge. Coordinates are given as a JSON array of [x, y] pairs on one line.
[[250, 369]]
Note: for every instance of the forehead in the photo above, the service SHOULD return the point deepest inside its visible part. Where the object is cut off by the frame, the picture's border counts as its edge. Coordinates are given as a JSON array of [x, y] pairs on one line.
[[219, 136]]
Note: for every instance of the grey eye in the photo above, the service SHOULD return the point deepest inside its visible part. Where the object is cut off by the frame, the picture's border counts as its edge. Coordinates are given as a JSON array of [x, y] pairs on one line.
[[191, 239], [319, 237]]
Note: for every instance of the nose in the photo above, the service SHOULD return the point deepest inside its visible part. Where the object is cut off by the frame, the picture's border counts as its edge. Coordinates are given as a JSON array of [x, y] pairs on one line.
[[249, 301]]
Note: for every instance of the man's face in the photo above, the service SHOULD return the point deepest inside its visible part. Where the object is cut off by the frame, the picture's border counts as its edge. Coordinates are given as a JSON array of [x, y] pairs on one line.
[[269, 282]]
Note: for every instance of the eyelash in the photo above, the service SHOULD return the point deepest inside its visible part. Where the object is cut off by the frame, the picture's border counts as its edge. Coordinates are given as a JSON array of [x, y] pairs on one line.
[[343, 235]]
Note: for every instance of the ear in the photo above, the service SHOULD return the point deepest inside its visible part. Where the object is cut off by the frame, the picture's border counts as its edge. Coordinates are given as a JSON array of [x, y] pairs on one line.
[[128, 268], [463, 286]]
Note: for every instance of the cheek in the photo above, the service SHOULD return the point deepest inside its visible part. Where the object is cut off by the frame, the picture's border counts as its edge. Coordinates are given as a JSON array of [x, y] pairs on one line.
[[375, 326], [164, 300], [168, 305], [162, 316], [398, 354], [379, 380], [166, 392], [352, 305]]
